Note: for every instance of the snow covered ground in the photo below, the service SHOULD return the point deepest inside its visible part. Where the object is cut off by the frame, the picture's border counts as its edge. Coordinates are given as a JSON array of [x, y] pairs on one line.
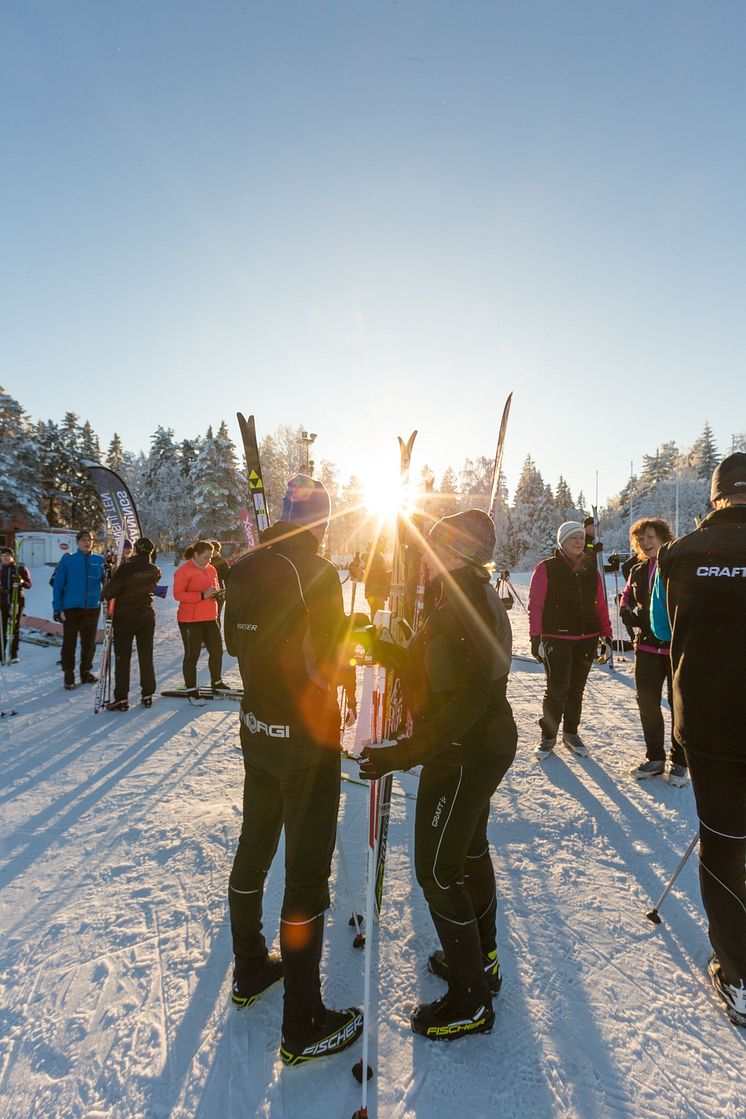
[[118, 833]]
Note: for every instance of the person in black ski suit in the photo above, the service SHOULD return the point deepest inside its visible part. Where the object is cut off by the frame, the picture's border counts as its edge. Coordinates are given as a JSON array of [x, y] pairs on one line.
[[12, 575], [464, 735], [286, 625], [700, 588], [132, 586], [652, 657]]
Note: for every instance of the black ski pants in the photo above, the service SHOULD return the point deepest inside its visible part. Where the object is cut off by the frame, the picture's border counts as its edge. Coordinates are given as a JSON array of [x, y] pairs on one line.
[[720, 791], [195, 635], [15, 636], [566, 664], [306, 804], [127, 630], [82, 622], [452, 857], [652, 671]]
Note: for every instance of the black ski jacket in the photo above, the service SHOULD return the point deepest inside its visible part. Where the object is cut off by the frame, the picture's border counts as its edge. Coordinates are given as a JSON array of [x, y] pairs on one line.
[[704, 575], [7, 573], [457, 672], [638, 600], [133, 585], [285, 622]]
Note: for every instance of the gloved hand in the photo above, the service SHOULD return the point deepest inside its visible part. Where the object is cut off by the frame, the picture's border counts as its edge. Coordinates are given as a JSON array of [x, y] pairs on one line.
[[382, 758], [629, 618], [59, 616], [536, 649], [385, 651], [358, 620]]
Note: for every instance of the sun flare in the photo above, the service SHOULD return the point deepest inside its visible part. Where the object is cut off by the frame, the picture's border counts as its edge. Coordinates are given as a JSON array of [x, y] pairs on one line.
[[382, 495]]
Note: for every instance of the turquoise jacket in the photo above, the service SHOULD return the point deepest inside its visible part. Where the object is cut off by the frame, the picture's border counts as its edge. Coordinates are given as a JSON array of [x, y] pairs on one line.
[[659, 620]]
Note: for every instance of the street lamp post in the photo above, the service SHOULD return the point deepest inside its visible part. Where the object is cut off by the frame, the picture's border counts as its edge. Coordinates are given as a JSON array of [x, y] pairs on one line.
[[306, 439]]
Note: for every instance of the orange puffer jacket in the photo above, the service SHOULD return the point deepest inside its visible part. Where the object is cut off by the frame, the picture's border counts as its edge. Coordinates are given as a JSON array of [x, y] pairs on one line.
[[189, 583]]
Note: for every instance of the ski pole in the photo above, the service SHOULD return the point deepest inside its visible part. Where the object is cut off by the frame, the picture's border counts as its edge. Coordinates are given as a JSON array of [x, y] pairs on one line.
[[517, 596], [653, 914], [620, 640], [8, 698], [362, 1070], [356, 918]]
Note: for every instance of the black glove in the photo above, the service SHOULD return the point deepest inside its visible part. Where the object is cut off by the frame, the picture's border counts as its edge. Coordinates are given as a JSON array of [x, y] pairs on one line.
[[629, 618], [58, 617], [359, 620], [386, 652], [377, 761], [535, 647]]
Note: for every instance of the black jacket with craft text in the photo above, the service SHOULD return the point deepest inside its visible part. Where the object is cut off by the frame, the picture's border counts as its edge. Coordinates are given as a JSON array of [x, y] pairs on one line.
[[704, 575]]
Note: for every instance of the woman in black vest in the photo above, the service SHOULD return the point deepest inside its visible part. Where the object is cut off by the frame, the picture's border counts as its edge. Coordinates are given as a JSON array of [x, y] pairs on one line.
[[567, 614]]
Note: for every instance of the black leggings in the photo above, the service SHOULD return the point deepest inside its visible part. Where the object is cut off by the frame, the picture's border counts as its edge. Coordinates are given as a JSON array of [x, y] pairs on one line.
[[194, 635], [127, 630], [306, 803], [451, 853], [567, 664], [652, 671], [720, 790]]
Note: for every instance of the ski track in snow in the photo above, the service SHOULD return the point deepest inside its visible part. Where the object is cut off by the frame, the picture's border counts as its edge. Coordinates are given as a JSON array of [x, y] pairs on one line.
[[118, 833]]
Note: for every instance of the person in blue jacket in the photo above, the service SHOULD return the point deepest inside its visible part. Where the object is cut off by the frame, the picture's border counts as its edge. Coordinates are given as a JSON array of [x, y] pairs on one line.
[[76, 602]]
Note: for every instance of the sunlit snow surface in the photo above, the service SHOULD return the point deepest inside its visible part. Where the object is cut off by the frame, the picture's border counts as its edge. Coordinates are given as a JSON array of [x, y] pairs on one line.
[[118, 833]]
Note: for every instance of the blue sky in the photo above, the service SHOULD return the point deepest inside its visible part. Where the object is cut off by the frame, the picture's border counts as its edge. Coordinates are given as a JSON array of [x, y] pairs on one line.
[[374, 217]]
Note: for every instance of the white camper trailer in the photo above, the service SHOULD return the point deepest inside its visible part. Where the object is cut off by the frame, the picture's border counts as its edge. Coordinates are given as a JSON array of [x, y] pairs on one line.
[[44, 547]]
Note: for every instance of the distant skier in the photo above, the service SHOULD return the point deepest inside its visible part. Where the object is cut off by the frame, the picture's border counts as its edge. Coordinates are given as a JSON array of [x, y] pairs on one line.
[[700, 587], [592, 545], [14, 579], [133, 586], [356, 568], [219, 562], [652, 656], [567, 615], [286, 624], [196, 589], [76, 601], [377, 580], [464, 735]]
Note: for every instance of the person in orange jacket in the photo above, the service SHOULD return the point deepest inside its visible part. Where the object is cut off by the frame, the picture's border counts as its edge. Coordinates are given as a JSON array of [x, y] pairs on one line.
[[196, 588]]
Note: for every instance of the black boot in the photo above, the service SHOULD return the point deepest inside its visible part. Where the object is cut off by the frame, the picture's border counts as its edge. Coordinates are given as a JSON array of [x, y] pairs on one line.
[[467, 1008], [309, 1029], [487, 934], [436, 963], [442, 1021], [249, 984]]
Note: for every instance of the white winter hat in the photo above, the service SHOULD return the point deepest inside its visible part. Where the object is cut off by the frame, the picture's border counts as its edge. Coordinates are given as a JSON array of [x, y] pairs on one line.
[[567, 529]]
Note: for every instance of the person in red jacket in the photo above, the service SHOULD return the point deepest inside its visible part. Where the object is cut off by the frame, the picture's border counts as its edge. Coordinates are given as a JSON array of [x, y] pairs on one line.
[[568, 613], [196, 586]]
